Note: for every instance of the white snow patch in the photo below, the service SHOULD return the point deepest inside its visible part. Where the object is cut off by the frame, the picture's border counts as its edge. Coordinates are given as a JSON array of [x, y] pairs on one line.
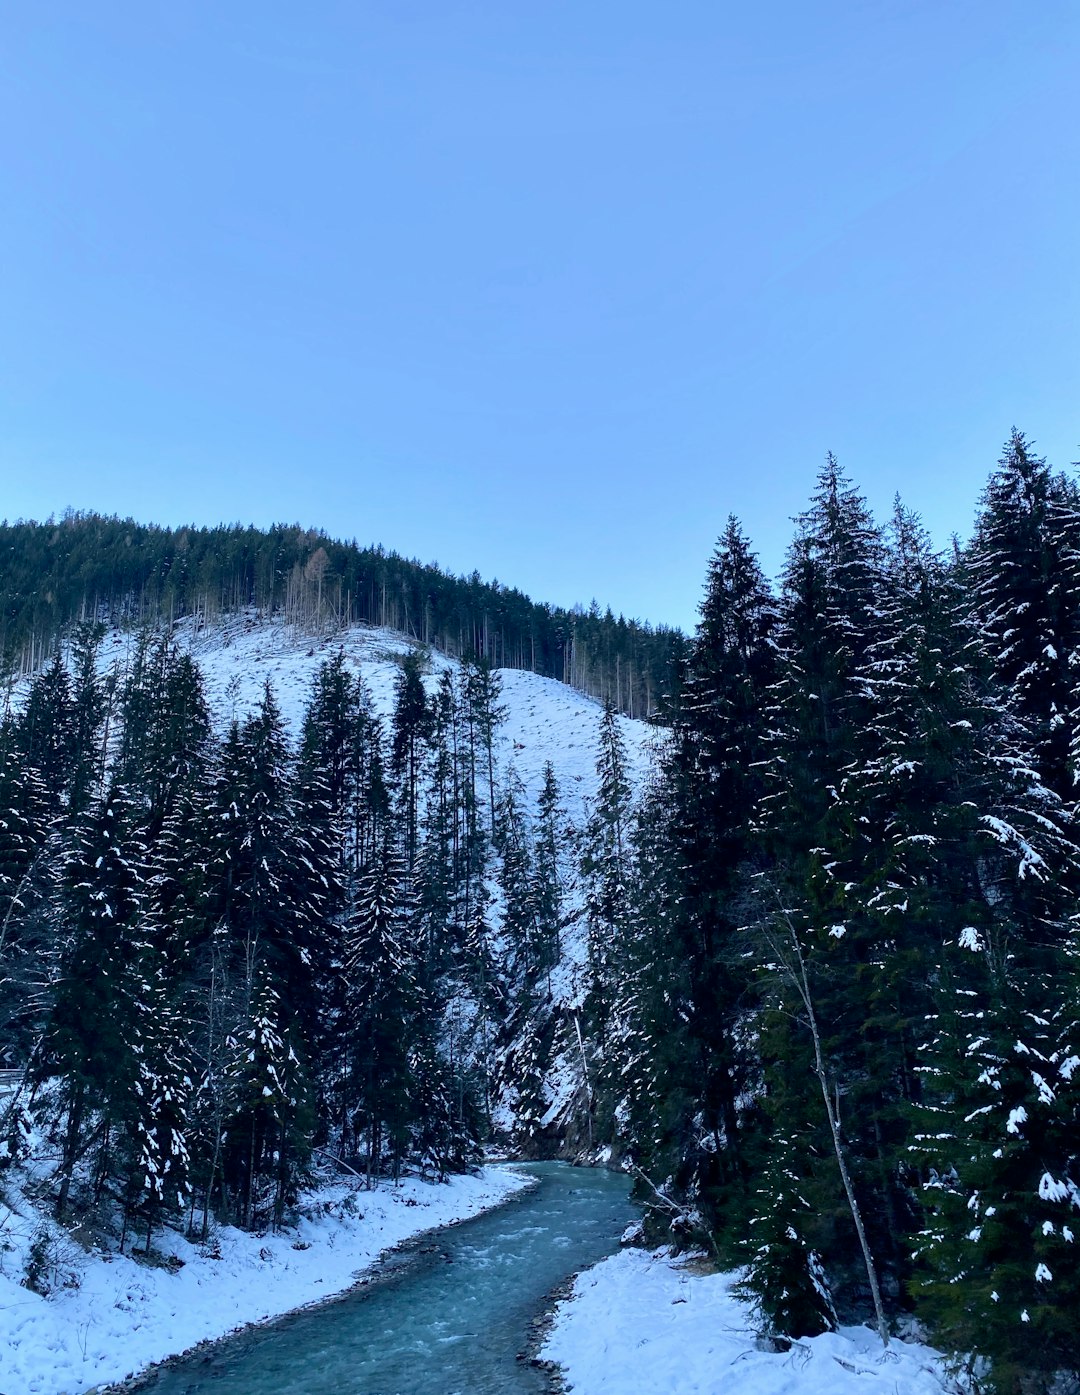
[[641, 1324]]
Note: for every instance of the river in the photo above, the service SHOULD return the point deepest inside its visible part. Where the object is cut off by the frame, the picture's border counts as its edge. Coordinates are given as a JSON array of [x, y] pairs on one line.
[[450, 1317]]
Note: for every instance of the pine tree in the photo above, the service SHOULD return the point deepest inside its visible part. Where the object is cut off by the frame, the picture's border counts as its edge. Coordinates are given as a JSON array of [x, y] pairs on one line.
[[411, 728], [605, 866], [785, 1280], [89, 1039], [547, 893], [46, 730], [694, 852], [1024, 564], [268, 1131], [997, 1277], [820, 711], [381, 1006]]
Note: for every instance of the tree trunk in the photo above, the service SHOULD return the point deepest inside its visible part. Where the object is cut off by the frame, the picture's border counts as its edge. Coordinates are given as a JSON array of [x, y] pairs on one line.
[[803, 987]]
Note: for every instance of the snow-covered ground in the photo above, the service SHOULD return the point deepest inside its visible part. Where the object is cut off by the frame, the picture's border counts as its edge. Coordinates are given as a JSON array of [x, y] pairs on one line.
[[643, 1324], [111, 1316]]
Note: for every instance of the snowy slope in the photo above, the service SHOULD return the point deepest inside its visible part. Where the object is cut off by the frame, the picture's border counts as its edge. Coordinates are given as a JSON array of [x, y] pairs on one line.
[[640, 1324], [545, 720]]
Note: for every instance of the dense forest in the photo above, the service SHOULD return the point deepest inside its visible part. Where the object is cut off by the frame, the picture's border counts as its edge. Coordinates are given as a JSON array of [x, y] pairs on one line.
[[849, 1011], [828, 1009], [224, 957], [87, 567]]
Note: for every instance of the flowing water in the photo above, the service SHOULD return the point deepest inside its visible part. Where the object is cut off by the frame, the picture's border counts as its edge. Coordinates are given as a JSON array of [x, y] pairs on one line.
[[451, 1317]]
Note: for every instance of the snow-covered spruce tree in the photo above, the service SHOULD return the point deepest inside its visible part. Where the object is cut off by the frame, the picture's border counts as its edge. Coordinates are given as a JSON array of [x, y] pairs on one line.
[[89, 704], [46, 731], [157, 1146], [998, 1278], [1024, 564], [807, 954], [485, 981], [657, 1106], [785, 1281], [165, 730], [530, 1064], [549, 876], [513, 847], [693, 853], [268, 1133], [411, 728], [439, 863], [328, 734], [26, 926], [903, 835], [381, 1011], [90, 1038], [605, 869], [482, 690], [268, 882]]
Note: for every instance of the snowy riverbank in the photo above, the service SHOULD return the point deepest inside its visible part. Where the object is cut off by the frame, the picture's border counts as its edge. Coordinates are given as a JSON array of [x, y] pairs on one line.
[[639, 1323], [123, 1316]]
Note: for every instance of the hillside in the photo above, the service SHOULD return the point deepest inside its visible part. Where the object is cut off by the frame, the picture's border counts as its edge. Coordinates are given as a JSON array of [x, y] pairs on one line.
[[545, 719]]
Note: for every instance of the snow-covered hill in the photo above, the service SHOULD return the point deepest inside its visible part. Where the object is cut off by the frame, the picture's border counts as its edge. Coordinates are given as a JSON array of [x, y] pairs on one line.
[[545, 720]]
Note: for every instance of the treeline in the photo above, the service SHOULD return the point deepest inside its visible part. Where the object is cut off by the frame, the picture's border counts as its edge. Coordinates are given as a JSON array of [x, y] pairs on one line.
[[223, 958], [88, 567], [843, 1000]]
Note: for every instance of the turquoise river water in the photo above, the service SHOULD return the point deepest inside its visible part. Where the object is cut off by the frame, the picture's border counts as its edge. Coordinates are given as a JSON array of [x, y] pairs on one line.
[[448, 1320]]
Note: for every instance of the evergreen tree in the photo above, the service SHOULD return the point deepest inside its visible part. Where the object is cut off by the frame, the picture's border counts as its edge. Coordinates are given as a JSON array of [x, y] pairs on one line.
[[268, 1130], [46, 733], [170, 758], [606, 868], [785, 1280], [89, 703], [381, 1006], [997, 1276], [515, 875], [1024, 563], [89, 1040], [694, 852], [158, 1127], [821, 708], [27, 854], [548, 882], [483, 688], [411, 728]]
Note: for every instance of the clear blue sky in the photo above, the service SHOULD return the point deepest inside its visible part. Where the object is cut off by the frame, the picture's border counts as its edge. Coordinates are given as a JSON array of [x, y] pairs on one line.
[[542, 289]]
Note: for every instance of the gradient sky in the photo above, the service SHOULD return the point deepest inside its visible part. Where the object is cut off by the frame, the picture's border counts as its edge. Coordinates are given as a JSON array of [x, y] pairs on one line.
[[541, 289]]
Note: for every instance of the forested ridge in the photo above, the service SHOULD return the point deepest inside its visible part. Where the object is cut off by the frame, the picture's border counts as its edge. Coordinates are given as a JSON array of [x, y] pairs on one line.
[[89, 567], [817, 986]]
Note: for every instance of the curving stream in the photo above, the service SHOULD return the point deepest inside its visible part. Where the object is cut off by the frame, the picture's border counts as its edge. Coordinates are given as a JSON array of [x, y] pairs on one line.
[[448, 1320]]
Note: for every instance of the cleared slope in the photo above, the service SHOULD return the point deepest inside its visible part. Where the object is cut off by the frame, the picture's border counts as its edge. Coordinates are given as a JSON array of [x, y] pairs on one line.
[[545, 720]]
